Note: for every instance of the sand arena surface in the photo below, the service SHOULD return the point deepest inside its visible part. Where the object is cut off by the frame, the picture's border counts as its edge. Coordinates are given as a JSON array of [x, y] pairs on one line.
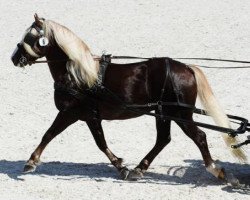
[[73, 167]]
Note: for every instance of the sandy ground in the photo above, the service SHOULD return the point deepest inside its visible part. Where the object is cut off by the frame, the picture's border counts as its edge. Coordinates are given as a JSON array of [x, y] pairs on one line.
[[73, 167]]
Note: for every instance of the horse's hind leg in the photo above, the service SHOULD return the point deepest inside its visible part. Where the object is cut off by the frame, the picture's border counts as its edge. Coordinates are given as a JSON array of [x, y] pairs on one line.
[[199, 138], [163, 138], [97, 132], [62, 121]]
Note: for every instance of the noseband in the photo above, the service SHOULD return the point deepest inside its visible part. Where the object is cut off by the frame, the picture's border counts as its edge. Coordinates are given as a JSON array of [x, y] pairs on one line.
[[24, 56]]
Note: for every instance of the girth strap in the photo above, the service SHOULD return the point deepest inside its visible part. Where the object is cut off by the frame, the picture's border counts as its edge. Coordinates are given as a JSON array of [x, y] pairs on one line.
[[168, 75], [161, 102]]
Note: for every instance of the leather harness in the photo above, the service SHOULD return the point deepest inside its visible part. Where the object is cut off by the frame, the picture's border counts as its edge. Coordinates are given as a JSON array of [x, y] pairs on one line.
[[99, 89]]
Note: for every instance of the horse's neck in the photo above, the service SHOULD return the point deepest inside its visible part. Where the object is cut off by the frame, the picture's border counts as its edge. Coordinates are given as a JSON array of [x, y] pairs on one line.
[[57, 64]]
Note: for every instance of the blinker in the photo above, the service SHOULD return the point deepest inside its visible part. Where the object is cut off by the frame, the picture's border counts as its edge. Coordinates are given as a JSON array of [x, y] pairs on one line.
[[43, 41], [30, 39]]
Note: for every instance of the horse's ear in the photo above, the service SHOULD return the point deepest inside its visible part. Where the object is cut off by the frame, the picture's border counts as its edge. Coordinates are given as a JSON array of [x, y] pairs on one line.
[[38, 22]]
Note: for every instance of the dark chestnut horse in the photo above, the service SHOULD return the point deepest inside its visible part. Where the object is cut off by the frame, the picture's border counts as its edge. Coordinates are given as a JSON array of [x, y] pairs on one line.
[[73, 66]]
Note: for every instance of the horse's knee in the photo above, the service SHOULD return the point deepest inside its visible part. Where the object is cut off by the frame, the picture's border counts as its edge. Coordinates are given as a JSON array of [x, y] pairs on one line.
[[46, 138], [101, 145], [168, 139], [194, 132], [163, 132], [52, 132], [163, 140]]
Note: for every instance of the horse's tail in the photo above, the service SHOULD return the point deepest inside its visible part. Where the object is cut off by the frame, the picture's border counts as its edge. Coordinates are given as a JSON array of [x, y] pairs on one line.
[[213, 108]]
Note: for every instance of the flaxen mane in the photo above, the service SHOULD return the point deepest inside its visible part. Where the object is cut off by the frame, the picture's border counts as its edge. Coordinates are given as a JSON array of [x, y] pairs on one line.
[[82, 66]]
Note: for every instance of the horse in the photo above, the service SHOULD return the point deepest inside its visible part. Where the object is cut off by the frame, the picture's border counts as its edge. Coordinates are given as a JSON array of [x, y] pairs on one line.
[[73, 66]]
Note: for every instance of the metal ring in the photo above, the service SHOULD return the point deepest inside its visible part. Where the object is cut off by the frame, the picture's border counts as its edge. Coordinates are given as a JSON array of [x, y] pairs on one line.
[[23, 60]]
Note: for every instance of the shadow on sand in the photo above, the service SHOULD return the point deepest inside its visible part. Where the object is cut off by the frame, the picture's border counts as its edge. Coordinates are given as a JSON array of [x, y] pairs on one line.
[[196, 175], [193, 174], [14, 169]]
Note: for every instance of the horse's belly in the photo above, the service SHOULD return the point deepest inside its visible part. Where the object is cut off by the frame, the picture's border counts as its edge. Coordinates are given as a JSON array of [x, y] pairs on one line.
[[120, 113]]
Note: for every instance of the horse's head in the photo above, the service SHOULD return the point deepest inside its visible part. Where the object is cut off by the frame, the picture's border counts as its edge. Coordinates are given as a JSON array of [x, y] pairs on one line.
[[33, 45], [50, 39]]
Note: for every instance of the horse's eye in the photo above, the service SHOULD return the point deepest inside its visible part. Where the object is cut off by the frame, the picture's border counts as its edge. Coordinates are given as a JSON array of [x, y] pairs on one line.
[[37, 44]]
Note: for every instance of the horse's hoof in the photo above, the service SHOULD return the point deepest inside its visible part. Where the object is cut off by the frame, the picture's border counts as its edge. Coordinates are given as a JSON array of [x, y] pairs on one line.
[[217, 171], [31, 165], [222, 174], [29, 168], [135, 174], [124, 173]]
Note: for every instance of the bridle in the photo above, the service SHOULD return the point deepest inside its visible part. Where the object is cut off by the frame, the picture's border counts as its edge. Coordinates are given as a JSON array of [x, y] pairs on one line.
[[96, 58], [32, 41], [25, 57]]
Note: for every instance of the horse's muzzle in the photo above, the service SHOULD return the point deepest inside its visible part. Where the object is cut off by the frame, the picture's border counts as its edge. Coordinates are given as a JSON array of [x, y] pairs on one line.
[[18, 57]]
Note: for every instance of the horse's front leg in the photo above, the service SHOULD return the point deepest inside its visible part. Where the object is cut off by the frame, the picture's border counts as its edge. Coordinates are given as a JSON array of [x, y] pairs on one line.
[[62, 121], [97, 132]]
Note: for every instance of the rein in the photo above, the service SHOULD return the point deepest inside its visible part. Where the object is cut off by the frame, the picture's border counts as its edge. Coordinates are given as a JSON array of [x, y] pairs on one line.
[[47, 61], [216, 59], [98, 58], [203, 66], [219, 60]]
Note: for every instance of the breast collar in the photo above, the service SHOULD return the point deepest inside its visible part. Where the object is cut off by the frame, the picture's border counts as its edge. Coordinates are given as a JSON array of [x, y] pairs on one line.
[[103, 64], [96, 90]]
